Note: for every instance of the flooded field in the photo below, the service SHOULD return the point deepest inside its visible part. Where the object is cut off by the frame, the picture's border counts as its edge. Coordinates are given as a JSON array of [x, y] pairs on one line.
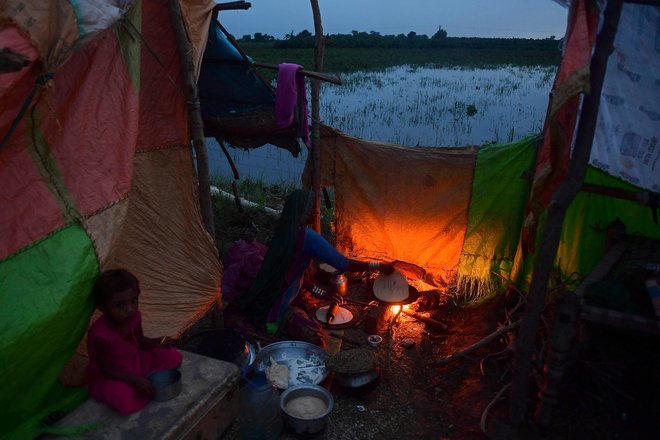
[[412, 105]]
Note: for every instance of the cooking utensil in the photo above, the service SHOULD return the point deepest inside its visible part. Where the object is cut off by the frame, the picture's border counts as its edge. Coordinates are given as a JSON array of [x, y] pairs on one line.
[[413, 294], [166, 383], [305, 361], [358, 381], [332, 311], [391, 287], [374, 340], [315, 421], [339, 284], [344, 317]]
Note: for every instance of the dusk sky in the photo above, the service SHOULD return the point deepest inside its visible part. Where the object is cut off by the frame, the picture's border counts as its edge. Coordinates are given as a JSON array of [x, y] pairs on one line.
[[460, 18]]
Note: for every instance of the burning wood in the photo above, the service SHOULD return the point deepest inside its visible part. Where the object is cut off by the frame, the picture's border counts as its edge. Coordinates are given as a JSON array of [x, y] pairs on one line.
[[485, 341], [426, 320]]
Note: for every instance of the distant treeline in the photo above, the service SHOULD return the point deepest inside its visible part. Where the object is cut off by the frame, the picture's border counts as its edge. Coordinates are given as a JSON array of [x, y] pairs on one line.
[[412, 40]]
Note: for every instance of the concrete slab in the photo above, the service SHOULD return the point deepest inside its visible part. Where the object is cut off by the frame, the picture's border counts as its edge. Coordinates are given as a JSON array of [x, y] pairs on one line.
[[206, 406]]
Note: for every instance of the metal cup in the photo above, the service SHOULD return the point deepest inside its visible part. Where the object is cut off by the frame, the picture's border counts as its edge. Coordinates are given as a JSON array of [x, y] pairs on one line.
[[340, 283]]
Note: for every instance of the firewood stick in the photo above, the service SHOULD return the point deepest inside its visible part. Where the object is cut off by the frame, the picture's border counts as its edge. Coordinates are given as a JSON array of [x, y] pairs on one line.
[[485, 341], [429, 321]]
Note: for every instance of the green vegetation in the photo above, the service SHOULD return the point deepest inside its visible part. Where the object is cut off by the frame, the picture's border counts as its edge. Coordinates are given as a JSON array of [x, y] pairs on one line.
[[253, 223], [373, 51], [341, 60]]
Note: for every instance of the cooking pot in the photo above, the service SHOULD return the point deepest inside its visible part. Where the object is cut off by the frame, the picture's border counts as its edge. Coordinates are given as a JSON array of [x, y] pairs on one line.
[[358, 382], [313, 424], [166, 383]]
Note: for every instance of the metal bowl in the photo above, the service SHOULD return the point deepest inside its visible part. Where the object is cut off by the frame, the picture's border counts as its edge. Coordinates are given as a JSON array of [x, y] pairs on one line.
[[358, 382], [305, 361], [166, 383], [313, 423]]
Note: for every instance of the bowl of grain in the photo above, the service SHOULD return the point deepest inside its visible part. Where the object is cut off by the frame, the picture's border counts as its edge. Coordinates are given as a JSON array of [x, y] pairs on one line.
[[305, 408]]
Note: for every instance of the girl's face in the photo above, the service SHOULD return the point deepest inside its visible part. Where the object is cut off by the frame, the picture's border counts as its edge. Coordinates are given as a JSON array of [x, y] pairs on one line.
[[121, 306]]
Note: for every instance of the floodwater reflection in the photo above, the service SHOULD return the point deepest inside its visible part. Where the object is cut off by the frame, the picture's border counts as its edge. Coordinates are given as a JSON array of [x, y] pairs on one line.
[[412, 105]]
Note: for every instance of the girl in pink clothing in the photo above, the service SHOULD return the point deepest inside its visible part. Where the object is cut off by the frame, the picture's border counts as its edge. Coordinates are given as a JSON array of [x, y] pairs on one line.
[[120, 356]]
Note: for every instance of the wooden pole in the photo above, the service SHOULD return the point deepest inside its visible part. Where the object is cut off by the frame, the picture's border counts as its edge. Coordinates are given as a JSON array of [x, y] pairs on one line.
[[196, 127], [232, 6], [319, 47], [560, 201]]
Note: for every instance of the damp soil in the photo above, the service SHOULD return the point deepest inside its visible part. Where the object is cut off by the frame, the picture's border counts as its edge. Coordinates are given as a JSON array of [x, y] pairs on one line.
[[606, 394], [610, 390]]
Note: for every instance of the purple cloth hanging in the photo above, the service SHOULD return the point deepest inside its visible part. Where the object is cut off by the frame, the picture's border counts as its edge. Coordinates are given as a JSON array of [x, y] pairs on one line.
[[291, 91]]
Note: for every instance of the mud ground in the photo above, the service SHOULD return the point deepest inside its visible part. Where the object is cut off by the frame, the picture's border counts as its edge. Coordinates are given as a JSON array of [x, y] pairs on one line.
[[607, 394]]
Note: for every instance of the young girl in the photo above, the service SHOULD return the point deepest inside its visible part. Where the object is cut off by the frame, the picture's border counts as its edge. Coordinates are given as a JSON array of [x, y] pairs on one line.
[[120, 356]]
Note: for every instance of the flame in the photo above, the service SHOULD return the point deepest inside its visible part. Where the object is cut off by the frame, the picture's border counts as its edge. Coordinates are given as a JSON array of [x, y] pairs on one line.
[[395, 309]]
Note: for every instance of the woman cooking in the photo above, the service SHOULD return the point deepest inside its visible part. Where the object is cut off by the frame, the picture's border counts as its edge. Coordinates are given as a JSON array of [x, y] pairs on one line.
[[279, 297]]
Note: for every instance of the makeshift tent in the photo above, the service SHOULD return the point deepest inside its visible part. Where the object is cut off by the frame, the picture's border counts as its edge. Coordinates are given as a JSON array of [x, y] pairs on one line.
[[485, 218], [237, 104], [458, 212], [96, 172]]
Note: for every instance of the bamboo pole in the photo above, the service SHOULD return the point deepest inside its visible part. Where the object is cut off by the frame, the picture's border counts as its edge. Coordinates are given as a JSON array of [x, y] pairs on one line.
[[196, 127], [232, 6], [560, 201], [248, 61], [319, 47]]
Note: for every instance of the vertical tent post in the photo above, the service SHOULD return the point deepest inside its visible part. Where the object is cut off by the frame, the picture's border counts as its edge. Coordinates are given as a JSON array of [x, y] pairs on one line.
[[319, 46], [560, 201], [196, 127]]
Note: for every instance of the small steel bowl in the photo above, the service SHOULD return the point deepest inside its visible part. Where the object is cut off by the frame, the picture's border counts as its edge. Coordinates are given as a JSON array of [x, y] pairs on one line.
[[374, 340], [306, 425], [166, 383]]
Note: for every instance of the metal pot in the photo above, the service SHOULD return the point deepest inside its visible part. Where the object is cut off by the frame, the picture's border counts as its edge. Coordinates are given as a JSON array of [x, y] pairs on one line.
[[166, 383], [300, 425], [339, 284], [357, 381]]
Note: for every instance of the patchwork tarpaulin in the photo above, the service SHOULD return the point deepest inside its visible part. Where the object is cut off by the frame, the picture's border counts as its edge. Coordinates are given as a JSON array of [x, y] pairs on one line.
[[571, 80], [458, 212], [96, 173], [626, 143], [237, 104]]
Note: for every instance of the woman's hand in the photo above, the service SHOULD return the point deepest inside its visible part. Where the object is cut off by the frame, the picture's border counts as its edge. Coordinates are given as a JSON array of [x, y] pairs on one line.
[[386, 268]]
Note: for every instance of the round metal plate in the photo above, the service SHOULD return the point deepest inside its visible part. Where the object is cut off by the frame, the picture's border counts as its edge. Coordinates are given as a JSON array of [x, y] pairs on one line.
[[305, 361]]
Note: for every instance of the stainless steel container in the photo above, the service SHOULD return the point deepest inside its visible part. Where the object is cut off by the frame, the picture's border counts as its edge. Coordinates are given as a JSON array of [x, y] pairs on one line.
[[166, 383], [302, 426], [339, 283]]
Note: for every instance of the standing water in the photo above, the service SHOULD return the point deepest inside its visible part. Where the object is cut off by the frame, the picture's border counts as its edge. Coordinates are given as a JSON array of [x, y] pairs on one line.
[[411, 105]]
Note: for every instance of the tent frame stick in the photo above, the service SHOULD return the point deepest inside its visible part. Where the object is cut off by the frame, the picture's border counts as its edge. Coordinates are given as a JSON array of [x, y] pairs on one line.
[[247, 60], [195, 125], [561, 199], [319, 47]]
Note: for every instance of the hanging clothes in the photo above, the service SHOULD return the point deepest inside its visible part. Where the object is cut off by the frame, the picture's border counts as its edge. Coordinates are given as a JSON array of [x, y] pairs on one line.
[[291, 100]]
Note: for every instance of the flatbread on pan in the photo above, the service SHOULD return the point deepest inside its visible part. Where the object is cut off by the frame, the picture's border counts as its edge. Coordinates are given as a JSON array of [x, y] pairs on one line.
[[391, 288]]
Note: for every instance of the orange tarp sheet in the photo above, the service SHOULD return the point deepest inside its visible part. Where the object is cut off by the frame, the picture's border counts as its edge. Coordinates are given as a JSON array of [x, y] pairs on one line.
[[399, 203]]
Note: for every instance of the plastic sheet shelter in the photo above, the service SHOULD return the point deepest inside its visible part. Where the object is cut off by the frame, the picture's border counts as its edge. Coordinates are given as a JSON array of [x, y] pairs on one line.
[[96, 172], [238, 105]]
